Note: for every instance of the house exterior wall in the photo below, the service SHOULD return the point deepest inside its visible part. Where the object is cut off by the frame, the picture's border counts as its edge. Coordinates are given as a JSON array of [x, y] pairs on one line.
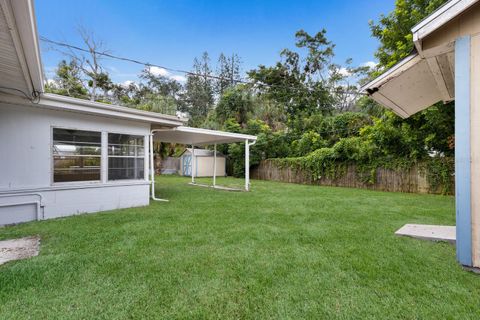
[[26, 166]]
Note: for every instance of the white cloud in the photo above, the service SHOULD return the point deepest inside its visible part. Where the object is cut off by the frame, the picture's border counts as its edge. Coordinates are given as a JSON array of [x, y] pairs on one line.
[[161, 72], [370, 64], [127, 83], [178, 78], [156, 71], [52, 82], [344, 72]]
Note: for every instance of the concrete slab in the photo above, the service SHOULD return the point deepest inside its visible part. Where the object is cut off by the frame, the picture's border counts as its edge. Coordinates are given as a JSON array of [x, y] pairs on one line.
[[16, 249], [215, 187], [428, 232]]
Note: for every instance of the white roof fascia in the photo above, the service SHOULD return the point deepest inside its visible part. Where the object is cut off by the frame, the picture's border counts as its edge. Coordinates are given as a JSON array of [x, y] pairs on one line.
[[20, 19], [216, 133], [24, 13], [17, 43], [392, 72], [64, 103], [198, 136], [438, 18]]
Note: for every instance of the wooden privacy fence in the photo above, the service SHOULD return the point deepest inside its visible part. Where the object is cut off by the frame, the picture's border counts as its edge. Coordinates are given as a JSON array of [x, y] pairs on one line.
[[413, 180]]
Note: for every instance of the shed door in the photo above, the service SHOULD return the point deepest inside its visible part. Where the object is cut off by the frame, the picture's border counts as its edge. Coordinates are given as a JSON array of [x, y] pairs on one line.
[[187, 165]]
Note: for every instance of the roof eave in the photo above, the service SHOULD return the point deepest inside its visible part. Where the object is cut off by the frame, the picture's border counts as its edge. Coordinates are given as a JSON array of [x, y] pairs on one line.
[[23, 28], [439, 18]]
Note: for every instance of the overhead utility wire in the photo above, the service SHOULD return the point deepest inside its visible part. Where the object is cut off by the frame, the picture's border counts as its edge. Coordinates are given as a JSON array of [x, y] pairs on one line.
[[147, 64]]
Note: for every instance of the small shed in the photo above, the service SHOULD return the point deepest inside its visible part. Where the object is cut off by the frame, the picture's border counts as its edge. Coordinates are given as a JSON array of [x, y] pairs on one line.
[[204, 163]]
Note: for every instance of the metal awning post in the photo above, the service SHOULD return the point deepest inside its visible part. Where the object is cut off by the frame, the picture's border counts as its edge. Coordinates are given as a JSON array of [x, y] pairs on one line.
[[194, 167], [247, 165], [214, 165], [152, 169]]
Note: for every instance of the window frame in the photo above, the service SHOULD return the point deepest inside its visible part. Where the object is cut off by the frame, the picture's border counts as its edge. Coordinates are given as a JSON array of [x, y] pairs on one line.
[[52, 158], [144, 157]]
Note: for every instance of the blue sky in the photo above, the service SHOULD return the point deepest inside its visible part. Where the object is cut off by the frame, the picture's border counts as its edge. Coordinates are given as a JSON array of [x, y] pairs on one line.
[[173, 32]]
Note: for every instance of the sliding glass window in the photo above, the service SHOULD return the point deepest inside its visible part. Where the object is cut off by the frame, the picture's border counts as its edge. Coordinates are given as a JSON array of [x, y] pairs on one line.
[[76, 155], [125, 157]]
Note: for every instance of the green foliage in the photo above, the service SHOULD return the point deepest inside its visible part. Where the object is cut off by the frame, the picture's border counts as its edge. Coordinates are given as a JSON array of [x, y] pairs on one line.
[[439, 171], [68, 81], [394, 29], [236, 102]]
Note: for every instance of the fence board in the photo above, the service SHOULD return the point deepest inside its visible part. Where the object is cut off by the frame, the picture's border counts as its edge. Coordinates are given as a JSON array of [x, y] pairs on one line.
[[413, 180]]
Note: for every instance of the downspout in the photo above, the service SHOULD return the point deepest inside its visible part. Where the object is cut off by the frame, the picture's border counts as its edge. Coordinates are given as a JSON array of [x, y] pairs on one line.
[[152, 168]]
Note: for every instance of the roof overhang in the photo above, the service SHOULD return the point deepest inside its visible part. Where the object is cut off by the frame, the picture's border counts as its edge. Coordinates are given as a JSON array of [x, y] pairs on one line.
[[21, 72], [64, 103], [427, 76], [198, 136], [438, 19], [411, 85]]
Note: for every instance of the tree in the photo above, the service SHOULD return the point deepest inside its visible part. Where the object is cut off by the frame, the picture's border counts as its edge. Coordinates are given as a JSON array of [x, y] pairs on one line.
[[228, 71], [93, 75], [199, 91], [237, 103], [394, 29], [68, 81], [299, 82]]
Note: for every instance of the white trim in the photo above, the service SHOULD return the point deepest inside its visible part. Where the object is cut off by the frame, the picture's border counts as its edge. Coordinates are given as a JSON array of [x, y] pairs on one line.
[[439, 18], [17, 42], [215, 133], [200, 136], [64, 103], [24, 12], [71, 186], [401, 66]]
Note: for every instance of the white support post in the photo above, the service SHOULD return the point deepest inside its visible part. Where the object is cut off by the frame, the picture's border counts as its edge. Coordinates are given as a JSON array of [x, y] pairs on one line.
[[247, 166], [151, 170], [104, 157], [214, 165], [194, 167]]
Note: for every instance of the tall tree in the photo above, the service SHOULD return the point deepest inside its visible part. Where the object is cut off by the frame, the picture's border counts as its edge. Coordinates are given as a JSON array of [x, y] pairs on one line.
[[199, 91], [299, 81], [68, 80], [394, 29], [228, 71]]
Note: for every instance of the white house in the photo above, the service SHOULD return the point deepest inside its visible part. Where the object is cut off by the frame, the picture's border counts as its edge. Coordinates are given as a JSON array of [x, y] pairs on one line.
[[63, 156], [445, 67]]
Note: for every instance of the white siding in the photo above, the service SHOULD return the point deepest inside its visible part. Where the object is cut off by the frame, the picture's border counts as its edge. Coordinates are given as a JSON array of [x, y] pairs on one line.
[[26, 164]]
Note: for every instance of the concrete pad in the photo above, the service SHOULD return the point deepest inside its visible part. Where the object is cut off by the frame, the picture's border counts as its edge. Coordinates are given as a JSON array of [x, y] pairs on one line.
[[215, 187], [428, 232], [16, 249]]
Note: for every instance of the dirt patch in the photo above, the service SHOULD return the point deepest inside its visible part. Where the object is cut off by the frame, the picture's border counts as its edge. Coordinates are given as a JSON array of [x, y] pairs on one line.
[[16, 249]]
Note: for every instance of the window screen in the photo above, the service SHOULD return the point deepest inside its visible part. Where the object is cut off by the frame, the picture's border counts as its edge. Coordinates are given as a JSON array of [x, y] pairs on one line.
[[125, 157], [76, 155]]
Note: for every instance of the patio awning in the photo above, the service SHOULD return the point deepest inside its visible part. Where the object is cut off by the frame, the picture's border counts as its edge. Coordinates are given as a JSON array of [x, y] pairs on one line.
[[198, 137]]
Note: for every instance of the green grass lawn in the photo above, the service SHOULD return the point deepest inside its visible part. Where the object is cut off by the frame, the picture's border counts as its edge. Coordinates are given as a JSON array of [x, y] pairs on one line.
[[282, 251]]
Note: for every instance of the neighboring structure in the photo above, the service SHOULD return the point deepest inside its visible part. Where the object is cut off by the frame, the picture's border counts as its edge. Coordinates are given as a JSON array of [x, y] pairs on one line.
[[170, 165], [63, 156], [204, 163], [446, 67]]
